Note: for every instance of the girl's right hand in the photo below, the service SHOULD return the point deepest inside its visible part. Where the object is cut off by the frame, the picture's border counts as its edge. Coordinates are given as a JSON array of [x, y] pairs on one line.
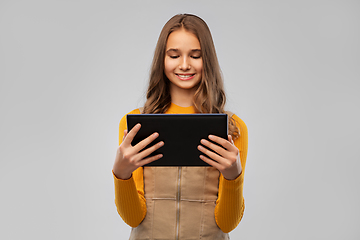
[[129, 158]]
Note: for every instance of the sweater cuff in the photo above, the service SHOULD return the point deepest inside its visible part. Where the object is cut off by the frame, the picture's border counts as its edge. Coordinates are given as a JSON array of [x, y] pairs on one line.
[[130, 207], [233, 184], [126, 185]]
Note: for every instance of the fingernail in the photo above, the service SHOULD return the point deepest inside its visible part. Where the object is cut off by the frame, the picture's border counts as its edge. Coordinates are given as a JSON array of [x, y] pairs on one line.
[[203, 141], [211, 136], [161, 143]]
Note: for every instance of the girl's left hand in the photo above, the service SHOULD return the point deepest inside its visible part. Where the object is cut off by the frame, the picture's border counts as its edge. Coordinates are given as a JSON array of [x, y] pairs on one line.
[[226, 159]]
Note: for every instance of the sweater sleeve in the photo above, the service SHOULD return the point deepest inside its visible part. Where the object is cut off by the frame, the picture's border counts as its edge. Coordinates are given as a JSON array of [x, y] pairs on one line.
[[129, 194], [230, 204]]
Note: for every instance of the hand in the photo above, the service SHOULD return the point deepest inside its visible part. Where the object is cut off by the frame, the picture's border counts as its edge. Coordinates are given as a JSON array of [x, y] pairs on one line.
[[129, 158], [226, 159]]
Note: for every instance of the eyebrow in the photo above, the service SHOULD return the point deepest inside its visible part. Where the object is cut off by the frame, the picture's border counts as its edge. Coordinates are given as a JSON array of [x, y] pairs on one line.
[[177, 50]]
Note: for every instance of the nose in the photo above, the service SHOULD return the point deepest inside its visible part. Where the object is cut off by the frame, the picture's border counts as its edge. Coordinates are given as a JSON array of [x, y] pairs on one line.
[[184, 64]]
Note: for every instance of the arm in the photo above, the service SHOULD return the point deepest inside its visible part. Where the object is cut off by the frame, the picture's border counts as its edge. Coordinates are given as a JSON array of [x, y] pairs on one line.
[[230, 203], [129, 185], [129, 198]]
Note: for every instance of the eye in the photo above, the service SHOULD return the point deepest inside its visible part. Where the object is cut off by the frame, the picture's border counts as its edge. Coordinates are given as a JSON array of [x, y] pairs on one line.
[[195, 57], [173, 56]]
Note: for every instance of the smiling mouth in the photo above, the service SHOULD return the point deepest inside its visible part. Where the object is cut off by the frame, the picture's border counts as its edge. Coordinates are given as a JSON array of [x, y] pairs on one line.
[[185, 76]]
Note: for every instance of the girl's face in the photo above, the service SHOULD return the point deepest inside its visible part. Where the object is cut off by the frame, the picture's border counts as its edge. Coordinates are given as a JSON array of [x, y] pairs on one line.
[[183, 62]]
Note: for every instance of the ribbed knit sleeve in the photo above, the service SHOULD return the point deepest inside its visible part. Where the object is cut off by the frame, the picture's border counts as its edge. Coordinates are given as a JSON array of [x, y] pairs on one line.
[[129, 194], [230, 203]]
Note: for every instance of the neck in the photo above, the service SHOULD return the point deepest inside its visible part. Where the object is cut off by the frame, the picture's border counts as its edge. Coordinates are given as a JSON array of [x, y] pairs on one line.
[[182, 97]]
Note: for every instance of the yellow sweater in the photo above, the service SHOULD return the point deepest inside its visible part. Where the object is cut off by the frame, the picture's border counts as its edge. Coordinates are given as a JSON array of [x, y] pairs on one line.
[[129, 194]]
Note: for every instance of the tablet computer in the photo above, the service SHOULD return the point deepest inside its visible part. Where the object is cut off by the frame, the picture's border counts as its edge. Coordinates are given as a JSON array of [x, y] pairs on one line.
[[181, 134]]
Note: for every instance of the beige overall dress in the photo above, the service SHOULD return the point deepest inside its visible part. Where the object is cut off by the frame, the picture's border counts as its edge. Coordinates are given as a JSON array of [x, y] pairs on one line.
[[180, 204]]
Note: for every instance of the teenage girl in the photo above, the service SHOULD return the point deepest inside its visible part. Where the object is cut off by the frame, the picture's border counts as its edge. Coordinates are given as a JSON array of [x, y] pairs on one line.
[[182, 202]]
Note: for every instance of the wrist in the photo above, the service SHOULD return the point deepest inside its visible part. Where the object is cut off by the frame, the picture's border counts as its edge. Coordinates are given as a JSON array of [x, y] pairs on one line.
[[122, 176], [232, 176]]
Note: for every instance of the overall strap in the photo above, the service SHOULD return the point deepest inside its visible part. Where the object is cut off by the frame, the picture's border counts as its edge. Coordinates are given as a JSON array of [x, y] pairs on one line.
[[230, 114]]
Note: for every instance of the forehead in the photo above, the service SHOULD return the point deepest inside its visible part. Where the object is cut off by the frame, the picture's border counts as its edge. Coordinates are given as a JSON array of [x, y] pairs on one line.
[[182, 40]]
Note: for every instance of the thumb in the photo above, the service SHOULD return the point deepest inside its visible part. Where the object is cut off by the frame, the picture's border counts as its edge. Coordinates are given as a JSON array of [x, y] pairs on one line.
[[125, 134], [230, 139]]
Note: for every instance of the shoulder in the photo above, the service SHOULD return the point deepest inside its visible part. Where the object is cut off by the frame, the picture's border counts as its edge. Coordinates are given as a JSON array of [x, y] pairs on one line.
[[242, 141], [238, 120], [240, 124], [123, 119]]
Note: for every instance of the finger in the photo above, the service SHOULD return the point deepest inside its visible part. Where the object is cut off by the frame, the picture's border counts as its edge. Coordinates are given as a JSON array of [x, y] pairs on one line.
[[223, 142], [130, 136], [150, 159], [220, 150], [211, 162], [211, 154], [150, 150], [142, 144]]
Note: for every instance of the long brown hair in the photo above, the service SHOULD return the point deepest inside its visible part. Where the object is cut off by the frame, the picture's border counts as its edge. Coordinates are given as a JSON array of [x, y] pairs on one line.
[[210, 95]]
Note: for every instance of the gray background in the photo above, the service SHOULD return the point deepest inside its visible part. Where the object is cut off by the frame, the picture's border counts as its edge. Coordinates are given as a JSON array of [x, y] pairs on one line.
[[70, 70]]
